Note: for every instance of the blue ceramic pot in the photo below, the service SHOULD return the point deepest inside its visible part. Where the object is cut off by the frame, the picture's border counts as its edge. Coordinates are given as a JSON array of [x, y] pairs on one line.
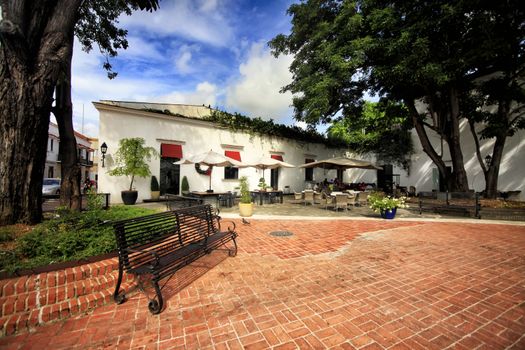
[[388, 214]]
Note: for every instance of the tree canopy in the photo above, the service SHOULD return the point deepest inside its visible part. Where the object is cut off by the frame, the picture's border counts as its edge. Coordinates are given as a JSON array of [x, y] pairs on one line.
[[381, 128], [434, 56]]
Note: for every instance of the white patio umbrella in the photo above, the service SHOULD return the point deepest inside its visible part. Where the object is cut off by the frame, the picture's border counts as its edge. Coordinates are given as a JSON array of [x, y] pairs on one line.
[[211, 158], [270, 163]]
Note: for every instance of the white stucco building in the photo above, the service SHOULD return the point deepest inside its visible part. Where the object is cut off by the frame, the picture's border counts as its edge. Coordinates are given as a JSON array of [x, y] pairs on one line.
[[186, 135], [84, 149], [424, 175]]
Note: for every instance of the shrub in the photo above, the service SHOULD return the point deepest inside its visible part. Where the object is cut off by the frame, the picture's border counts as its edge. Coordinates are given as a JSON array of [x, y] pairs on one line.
[[245, 190], [69, 236], [185, 186], [154, 186]]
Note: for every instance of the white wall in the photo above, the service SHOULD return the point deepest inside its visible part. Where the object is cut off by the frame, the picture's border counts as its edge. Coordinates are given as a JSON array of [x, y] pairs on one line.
[[512, 169], [199, 136]]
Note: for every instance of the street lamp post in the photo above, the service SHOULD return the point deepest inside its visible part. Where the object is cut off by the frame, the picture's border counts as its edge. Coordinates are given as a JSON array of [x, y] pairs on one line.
[[103, 150]]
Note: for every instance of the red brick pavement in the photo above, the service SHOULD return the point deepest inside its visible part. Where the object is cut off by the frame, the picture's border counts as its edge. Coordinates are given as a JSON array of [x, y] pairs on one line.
[[334, 284]]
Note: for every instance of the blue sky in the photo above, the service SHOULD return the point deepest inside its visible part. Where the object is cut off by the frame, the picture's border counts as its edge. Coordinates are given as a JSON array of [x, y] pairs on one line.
[[198, 52]]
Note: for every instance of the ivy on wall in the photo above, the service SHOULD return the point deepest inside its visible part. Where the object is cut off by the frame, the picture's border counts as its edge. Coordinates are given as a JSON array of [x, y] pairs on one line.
[[239, 122]]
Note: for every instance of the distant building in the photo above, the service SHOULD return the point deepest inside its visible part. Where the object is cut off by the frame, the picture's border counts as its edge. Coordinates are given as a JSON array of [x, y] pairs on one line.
[[85, 153]]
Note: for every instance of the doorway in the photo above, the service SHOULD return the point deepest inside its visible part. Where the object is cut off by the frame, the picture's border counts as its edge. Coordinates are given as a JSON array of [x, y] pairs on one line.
[[169, 176], [274, 178], [385, 178]]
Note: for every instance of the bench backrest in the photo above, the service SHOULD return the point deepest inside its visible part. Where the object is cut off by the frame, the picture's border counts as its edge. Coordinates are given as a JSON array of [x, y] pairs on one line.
[[162, 232]]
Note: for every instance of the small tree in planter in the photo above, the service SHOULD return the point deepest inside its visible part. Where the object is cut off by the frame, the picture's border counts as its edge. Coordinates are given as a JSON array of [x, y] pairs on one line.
[[245, 204], [155, 189], [130, 160], [184, 185]]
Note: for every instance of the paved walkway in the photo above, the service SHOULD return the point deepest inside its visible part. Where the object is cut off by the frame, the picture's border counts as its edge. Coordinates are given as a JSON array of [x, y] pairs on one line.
[[342, 284]]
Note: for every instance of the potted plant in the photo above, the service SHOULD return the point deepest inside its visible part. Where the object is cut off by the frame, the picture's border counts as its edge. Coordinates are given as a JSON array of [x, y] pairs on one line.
[[154, 187], [245, 204], [184, 186], [130, 160], [386, 205], [262, 184]]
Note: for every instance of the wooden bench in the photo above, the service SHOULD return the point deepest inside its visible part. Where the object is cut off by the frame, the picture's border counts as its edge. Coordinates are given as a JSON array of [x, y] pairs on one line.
[[155, 246]]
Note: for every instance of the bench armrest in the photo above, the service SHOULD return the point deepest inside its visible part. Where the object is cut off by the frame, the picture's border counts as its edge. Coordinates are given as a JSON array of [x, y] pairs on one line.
[[232, 227], [153, 254]]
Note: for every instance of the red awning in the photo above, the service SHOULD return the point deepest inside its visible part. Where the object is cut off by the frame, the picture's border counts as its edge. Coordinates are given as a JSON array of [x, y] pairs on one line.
[[233, 155], [168, 150], [278, 157]]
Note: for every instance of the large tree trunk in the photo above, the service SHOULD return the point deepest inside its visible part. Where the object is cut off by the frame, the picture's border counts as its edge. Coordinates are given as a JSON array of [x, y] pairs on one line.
[[70, 194], [458, 177], [32, 38], [425, 142]]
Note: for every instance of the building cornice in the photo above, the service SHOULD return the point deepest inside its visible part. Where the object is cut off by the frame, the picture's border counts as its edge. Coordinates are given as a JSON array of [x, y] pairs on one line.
[[100, 106]]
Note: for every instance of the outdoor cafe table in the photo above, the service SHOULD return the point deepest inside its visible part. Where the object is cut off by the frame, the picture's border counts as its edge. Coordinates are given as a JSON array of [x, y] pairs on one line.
[[263, 194], [208, 197]]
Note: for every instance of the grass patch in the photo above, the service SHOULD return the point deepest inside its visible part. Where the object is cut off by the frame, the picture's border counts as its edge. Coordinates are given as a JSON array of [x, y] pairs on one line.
[[68, 236]]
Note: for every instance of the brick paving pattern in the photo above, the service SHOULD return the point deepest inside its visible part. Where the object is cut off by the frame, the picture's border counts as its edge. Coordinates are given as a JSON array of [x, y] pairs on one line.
[[333, 284]]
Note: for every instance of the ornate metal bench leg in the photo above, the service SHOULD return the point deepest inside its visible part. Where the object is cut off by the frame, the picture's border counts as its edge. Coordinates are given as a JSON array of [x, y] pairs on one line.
[[233, 252], [155, 306], [119, 298]]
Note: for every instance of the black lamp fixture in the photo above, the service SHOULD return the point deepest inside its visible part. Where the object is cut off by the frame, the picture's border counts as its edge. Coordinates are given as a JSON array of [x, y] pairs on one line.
[[488, 160], [103, 150]]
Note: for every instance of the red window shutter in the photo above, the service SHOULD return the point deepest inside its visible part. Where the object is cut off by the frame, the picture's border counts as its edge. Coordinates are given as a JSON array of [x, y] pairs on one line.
[[170, 151], [278, 157], [233, 155]]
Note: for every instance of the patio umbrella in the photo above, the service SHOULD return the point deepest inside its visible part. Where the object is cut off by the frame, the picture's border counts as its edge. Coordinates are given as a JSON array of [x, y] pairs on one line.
[[211, 158], [341, 163], [270, 163]]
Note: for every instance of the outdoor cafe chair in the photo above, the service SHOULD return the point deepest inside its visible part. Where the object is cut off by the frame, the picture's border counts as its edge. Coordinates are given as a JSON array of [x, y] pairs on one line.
[[318, 197], [327, 201], [297, 198], [352, 200], [341, 201], [362, 198], [308, 197]]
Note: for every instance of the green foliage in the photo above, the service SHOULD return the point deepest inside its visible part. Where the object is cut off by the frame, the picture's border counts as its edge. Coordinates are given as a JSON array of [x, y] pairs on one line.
[[185, 186], [437, 52], [70, 236], [95, 201], [131, 158], [380, 202], [381, 128], [238, 122], [154, 186], [7, 233], [262, 184], [245, 190]]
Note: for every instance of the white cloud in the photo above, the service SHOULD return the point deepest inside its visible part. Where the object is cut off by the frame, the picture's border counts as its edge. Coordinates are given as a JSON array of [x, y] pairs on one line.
[[139, 48], [204, 93], [256, 92], [199, 21], [183, 62], [301, 125], [208, 5]]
